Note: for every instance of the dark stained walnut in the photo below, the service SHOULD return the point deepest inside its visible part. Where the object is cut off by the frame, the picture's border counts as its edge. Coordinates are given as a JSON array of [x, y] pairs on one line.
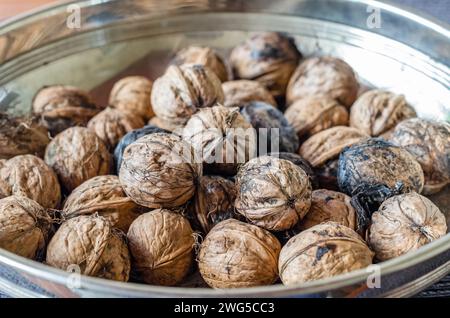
[[403, 224], [429, 142], [269, 58], [236, 254], [323, 76], [61, 107], [376, 112], [240, 92]]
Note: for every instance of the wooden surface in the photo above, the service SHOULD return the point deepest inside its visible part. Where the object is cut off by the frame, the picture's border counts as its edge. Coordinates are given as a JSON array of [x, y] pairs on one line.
[[10, 8]]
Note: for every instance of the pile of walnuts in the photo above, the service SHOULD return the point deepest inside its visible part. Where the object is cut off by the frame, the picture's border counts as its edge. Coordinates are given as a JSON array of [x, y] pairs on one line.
[[173, 178]]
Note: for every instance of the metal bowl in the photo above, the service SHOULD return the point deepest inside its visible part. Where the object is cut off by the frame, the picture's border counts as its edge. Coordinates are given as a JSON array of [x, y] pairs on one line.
[[406, 54]]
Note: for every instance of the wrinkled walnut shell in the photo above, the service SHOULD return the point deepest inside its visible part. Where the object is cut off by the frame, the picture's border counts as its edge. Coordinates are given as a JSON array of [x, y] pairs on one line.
[[376, 112], [240, 92], [219, 135], [161, 243], [158, 170], [311, 115], [29, 176], [132, 94], [24, 227], [102, 195], [404, 223], [166, 125], [204, 56], [272, 193], [322, 251], [61, 107], [236, 254], [90, 243], [76, 155], [183, 90], [429, 142], [323, 76], [112, 124], [21, 136], [269, 58]]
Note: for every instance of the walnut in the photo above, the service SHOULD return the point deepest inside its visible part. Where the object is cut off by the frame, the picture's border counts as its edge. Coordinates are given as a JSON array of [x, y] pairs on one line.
[[213, 202], [404, 223], [376, 112], [132, 94], [62, 107], [161, 244], [311, 115], [24, 226], [274, 131], [182, 90], [240, 92], [5, 188], [112, 124], [272, 193], [102, 195], [90, 243], [236, 254], [131, 137], [322, 151], [322, 251], [76, 155], [21, 136], [158, 171], [203, 56], [221, 137], [429, 142], [29, 176], [269, 58], [166, 125], [328, 76]]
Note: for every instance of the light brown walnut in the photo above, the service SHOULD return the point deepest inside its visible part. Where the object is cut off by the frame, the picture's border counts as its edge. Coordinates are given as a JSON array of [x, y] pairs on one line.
[[240, 92]]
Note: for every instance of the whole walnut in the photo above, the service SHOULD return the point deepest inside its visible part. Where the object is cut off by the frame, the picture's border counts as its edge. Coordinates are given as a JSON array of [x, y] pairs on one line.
[[323, 76], [240, 92], [29, 176], [92, 244], [132, 94], [322, 152], [131, 137], [376, 112], [76, 155], [236, 254], [204, 56], [161, 244], [21, 136], [112, 124], [24, 226], [213, 202], [311, 115], [166, 125], [429, 143], [61, 107], [272, 193], [404, 223], [183, 90], [274, 131], [269, 58], [158, 170], [322, 251], [222, 138], [301, 163], [5, 188], [102, 195]]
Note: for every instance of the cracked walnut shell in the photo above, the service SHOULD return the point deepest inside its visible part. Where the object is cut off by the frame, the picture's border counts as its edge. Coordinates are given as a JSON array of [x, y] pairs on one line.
[[376, 112], [161, 244], [322, 251], [76, 155], [240, 92], [90, 243], [323, 76], [272, 193], [29, 176], [404, 223], [102, 195], [236, 254]]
